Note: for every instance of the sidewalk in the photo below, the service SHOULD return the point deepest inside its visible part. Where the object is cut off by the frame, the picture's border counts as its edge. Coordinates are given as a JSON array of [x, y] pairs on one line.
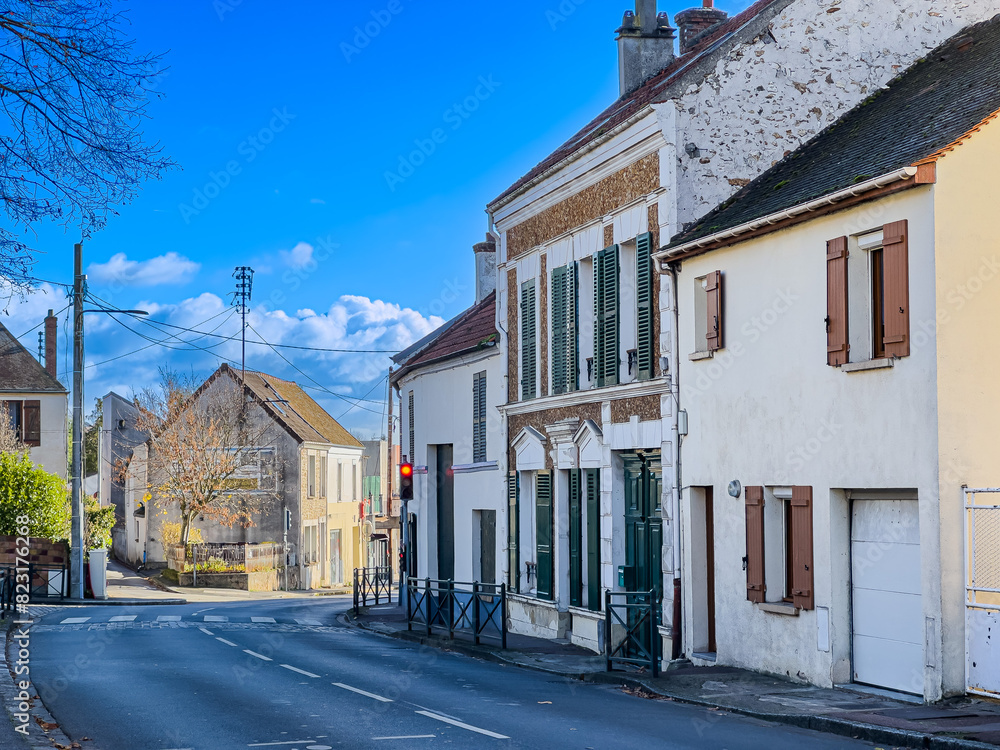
[[205, 594], [877, 716]]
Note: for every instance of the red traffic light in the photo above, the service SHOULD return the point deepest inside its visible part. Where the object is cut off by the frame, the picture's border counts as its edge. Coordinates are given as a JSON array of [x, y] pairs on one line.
[[406, 470]]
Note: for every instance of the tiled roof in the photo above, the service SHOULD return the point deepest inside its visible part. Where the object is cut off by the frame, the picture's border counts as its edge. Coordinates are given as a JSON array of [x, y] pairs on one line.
[[924, 111], [649, 93], [296, 409], [471, 330], [20, 372]]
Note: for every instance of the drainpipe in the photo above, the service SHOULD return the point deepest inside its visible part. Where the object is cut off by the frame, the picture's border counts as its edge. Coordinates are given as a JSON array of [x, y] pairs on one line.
[[675, 626]]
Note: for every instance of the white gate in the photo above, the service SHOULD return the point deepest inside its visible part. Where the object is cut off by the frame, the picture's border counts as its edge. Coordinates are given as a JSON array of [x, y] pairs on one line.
[[982, 601]]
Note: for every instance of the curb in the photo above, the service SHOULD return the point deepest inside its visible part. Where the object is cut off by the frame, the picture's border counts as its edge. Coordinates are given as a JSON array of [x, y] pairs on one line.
[[841, 727], [119, 602]]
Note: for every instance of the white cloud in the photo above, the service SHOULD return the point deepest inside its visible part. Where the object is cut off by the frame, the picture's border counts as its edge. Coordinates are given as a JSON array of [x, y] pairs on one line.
[[299, 256], [164, 269]]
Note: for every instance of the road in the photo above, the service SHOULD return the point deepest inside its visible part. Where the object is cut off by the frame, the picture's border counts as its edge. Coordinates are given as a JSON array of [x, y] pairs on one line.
[[287, 675]]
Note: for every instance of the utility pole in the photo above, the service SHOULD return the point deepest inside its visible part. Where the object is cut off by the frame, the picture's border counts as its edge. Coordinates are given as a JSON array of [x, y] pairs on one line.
[[241, 301], [76, 532]]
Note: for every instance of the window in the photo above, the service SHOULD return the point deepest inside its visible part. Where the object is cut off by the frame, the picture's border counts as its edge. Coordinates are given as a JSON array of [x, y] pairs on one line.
[[779, 561], [413, 455], [26, 420], [479, 417], [606, 316], [312, 475], [565, 331], [340, 481], [529, 344], [322, 474], [868, 296], [355, 488], [645, 304], [513, 531], [265, 463], [708, 324], [585, 538], [544, 527]]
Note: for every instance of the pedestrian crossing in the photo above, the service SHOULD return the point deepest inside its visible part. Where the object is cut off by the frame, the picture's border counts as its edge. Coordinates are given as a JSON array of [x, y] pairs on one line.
[[192, 619]]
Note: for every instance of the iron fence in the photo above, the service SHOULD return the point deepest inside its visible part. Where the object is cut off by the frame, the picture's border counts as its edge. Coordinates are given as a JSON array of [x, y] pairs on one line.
[[249, 557], [44, 581], [631, 635], [374, 582], [477, 609]]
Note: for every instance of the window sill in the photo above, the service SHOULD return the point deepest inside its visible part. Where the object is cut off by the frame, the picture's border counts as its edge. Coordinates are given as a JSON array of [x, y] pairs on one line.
[[779, 608], [700, 355], [871, 364]]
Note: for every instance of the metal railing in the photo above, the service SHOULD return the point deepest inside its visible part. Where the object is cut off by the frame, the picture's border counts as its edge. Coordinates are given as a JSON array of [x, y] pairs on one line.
[[47, 581], [374, 582], [251, 557], [477, 609], [631, 635]]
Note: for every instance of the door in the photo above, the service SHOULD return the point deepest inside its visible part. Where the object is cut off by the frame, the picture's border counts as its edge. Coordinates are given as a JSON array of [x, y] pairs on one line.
[[445, 513], [336, 561], [710, 565], [888, 621], [488, 546], [643, 531], [982, 600]]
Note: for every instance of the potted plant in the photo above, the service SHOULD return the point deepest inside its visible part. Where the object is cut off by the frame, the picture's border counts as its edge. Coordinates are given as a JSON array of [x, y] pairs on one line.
[[97, 540]]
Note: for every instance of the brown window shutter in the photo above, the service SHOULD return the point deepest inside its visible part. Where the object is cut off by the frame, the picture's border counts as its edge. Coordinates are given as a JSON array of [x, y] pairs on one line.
[[32, 424], [714, 291], [803, 595], [896, 269], [837, 342], [755, 544]]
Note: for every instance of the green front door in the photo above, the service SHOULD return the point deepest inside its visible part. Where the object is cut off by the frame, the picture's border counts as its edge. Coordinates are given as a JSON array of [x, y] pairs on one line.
[[643, 525]]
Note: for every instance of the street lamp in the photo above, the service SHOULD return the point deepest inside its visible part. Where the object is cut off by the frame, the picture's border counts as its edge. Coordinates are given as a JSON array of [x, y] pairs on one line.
[[76, 532]]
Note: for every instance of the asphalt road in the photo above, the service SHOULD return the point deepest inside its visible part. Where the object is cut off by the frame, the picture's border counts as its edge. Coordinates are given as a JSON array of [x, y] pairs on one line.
[[208, 677]]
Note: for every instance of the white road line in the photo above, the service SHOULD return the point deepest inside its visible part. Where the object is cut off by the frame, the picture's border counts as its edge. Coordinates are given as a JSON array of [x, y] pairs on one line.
[[216, 618], [272, 744], [300, 671], [259, 656], [363, 692], [228, 643], [123, 618], [74, 621], [168, 618], [456, 723], [262, 619], [408, 737], [308, 622], [206, 631]]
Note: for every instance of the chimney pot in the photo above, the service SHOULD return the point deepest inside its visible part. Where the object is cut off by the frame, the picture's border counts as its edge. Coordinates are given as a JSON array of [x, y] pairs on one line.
[[51, 326], [694, 22], [486, 267], [645, 45]]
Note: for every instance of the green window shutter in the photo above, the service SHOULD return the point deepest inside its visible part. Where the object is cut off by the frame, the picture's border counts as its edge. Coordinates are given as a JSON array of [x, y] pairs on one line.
[[646, 347], [572, 327], [559, 338], [575, 540], [543, 534], [513, 529], [593, 477], [607, 279], [479, 417], [529, 366]]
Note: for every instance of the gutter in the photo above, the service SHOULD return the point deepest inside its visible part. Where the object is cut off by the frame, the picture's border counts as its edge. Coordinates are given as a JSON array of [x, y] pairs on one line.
[[900, 175]]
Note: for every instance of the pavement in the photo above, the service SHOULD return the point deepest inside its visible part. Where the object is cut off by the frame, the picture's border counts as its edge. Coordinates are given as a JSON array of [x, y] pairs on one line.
[[877, 716]]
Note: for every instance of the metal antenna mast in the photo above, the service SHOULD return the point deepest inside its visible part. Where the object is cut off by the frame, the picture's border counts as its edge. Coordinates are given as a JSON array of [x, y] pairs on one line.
[[241, 301]]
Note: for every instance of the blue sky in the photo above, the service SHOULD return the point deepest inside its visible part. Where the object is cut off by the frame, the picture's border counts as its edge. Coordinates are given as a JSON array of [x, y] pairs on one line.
[[294, 125]]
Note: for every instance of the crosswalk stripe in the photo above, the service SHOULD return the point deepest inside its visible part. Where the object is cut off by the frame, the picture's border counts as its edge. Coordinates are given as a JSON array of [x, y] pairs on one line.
[[122, 618], [216, 618], [74, 620], [308, 622], [168, 618], [262, 619]]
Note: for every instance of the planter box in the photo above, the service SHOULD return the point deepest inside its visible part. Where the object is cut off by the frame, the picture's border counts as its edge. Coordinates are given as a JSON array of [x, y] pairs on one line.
[[261, 580]]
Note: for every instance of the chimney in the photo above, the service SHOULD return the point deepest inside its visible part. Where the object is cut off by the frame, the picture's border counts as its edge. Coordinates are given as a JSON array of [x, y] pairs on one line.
[[695, 21], [486, 267], [645, 45], [51, 325]]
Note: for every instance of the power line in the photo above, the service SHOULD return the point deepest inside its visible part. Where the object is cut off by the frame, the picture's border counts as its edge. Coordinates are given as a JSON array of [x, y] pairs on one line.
[[36, 327], [365, 398]]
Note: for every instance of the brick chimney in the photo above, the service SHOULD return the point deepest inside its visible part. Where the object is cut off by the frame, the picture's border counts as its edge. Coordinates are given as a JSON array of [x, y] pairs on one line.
[[486, 267], [645, 45], [51, 325], [695, 21]]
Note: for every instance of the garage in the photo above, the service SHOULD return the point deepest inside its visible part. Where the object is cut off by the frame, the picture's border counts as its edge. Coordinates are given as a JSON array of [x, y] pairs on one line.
[[887, 610]]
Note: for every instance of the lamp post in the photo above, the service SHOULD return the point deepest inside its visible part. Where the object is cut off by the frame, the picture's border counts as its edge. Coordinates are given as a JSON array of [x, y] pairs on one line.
[[76, 530]]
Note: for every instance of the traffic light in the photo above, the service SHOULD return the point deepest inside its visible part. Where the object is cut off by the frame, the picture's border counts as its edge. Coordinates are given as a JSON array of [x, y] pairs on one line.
[[406, 481]]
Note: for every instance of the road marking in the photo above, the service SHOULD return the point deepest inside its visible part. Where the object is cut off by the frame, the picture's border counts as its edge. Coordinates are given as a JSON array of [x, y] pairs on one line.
[[259, 656], [308, 622], [74, 621], [272, 744], [206, 631], [300, 671], [456, 723], [409, 737], [262, 619], [216, 618], [122, 618], [363, 692], [168, 618], [228, 643]]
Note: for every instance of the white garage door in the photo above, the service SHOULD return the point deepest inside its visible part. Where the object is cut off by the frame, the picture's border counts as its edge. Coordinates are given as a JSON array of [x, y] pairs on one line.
[[887, 608]]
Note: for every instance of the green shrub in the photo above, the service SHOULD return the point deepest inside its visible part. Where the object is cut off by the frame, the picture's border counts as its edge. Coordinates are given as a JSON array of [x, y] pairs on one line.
[[26, 490], [98, 524], [170, 574]]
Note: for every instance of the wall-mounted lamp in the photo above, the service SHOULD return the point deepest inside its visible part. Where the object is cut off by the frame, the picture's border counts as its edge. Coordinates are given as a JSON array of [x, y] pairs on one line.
[[692, 150], [735, 488]]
